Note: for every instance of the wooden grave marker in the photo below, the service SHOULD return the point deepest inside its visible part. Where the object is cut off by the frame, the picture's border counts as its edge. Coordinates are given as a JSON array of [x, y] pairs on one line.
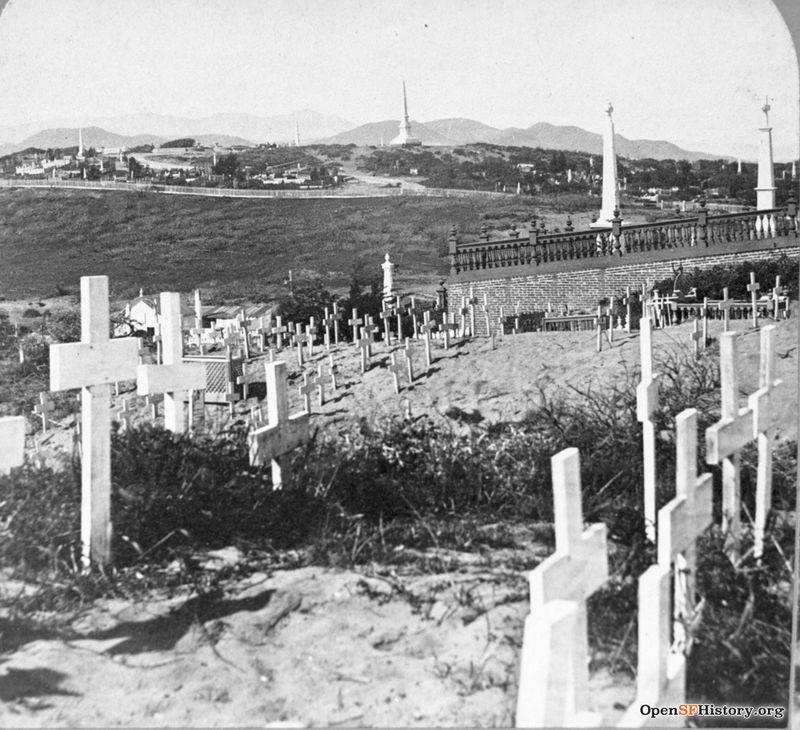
[[472, 301], [386, 315], [174, 377], [319, 382], [414, 321], [646, 405], [300, 339], [327, 322], [355, 323], [409, 362], [337, 318], [197, 397], [725, 439], [725, 307], [398, 313], [365, 345], [283, 433], [306, 389], [279, 330], [311, 335], [396, 369], [760, 403], [43, 409], [92, 365], [554, 673], [125, 415], [485, 307], [12, 437], [697, 337], [753, 288], [427, 328]]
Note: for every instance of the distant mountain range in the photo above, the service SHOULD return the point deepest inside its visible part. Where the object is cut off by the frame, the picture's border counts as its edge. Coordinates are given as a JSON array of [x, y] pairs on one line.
[[542, 134], [230, 129]]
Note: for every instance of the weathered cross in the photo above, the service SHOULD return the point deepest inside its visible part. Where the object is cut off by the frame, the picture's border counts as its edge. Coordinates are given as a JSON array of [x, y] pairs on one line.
[[43, 409], [413, 311], [725, 306], [333, 369], [365, 344], [283, 432], [646, 405], [398, 312], [174, 377], [306, 389], [427, 328], [486, 316], [93, 364], [760, 402], [125, 414], [337, 317], [311, 335], [554, 674], [300, 339], [327, 322], [727, 437], [776, 295], [396, 369], [627, 301], [12, 436], [319, 382], [355, 323], [409, 362], [464, 311], [753, 288], [278, 330], [697, 337], [386, 315]]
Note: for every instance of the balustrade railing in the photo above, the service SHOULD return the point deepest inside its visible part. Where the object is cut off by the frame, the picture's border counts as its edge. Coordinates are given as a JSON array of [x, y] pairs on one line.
[[699, 231]]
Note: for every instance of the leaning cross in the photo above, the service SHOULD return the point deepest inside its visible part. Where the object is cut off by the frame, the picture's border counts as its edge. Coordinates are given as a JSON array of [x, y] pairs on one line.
[[753, 288], [727, 437], [554, 674], [646, 405], [174, 377], [93, 364], [763, 432], [283, 432]]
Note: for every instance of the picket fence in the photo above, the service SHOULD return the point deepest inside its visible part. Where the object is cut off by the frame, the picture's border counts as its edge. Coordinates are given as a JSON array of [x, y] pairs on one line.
[[554, 677]]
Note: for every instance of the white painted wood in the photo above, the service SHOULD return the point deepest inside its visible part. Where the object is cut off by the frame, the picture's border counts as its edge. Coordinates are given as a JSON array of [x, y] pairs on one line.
[[92, 365], [396, 369], [174, 377], [753, 288], [12, 442], [559, 587], [283, 432], [646, 406]]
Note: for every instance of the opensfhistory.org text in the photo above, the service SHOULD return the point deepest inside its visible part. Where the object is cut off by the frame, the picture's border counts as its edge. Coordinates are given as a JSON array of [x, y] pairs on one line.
[[701, 709]]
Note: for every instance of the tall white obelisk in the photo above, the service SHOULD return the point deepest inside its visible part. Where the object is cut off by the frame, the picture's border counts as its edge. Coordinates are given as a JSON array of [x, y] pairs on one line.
[[610, 193], [765, 190], [404, 136]]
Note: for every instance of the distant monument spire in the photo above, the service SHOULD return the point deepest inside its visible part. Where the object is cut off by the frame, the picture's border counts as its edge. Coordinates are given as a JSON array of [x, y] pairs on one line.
[[794, 170], [739, 166], [610, 193], [80, 154], [765, 189], [296, 133], [404, 136]]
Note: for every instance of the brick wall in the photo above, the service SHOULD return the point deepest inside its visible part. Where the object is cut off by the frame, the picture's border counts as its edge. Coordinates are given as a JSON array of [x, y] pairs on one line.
[[581, 290]]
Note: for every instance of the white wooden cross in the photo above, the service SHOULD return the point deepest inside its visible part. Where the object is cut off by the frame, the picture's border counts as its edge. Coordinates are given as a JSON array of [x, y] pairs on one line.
[[319, 382], [464, 311], [627, 302], [306, 389], [409, 362], [396, 368], [486, 316], [333, 369], [725, 305], [279, 330], [337, 317], [516, 318], [327, 321], [472, 301], [682, 520], [365, 344], [12, 437], [705, 321], [174, 377], [753, 288], [501, 324], [599, 326], [43, 409], [697, 337], [355, 323], [386, 315], [760, 402], [283, 432], [93, 364], [727, 437], [300, 339], [777, 292], [554, 672], [413, 310], [427, 328], [398, 313], [197, 398], [646, 405], [125, 414], [311, 335]]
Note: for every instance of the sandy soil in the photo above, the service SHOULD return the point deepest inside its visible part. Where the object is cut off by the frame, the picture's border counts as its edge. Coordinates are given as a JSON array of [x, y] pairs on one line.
[[314, 646]]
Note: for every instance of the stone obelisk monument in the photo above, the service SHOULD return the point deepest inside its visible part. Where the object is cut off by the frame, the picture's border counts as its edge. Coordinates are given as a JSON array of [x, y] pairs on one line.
[[610, 192], [405, 137], [765, 190]]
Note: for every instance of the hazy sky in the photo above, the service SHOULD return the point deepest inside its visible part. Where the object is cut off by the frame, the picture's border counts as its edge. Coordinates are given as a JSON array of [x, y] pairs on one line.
[[692, 72]]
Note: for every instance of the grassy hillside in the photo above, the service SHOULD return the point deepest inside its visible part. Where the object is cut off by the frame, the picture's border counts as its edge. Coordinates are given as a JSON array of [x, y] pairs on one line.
[[49, 239]]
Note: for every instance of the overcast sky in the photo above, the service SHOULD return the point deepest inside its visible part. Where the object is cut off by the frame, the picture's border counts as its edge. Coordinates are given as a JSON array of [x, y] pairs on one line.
[[688, 71]]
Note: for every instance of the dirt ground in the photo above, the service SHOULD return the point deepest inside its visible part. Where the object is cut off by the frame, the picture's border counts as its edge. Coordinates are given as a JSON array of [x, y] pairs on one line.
[[377, 647]]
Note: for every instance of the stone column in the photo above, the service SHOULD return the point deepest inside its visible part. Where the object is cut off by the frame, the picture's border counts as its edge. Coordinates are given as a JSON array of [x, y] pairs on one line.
[[388, 279], [765, 190], [610, 194]]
